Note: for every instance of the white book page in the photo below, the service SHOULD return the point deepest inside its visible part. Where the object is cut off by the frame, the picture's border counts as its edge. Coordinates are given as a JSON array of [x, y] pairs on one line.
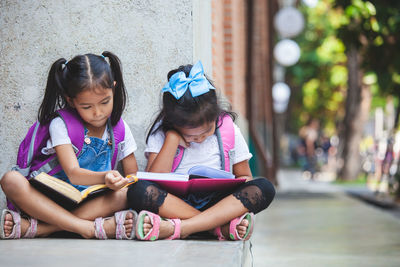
[[162, 176]]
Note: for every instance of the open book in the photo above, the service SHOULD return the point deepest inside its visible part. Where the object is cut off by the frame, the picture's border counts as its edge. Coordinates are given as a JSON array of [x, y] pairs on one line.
[[198, 179], [64, 193]]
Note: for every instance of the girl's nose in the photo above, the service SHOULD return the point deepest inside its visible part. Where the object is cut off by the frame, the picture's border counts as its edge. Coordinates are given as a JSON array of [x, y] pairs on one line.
[[97, 111], [199, 139]]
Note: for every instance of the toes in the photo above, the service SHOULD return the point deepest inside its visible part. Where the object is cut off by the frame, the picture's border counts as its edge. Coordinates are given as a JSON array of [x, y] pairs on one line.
[[147, 225], [8, 224], [242, 227], [244, 222], [128, 222], [129, 216]]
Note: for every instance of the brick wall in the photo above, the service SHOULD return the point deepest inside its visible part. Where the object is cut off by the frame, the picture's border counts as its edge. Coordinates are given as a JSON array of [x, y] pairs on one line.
[[229, 50]]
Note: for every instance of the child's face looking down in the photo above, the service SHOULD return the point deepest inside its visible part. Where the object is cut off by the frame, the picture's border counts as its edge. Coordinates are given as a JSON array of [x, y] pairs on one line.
[[94, 106], [197, 134]]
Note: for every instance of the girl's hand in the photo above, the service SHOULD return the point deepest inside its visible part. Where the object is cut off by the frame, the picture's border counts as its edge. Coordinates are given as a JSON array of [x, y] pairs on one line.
[[175, 136], [248, 178], [114, 180]]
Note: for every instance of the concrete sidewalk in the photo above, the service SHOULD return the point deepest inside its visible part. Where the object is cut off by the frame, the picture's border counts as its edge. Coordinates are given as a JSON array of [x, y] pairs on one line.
[[318, 224], [308, 224]]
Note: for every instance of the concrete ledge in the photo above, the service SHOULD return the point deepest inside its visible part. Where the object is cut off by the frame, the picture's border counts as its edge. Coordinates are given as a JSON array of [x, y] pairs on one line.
[[80, 252]]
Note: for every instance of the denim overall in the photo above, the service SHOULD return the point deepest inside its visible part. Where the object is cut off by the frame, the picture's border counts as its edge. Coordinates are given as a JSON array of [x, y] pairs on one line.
[[95, 156]]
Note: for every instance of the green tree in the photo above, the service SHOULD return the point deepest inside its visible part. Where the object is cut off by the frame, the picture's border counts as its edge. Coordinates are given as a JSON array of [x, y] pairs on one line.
[[349, 50], [369, 31], [318, 81]]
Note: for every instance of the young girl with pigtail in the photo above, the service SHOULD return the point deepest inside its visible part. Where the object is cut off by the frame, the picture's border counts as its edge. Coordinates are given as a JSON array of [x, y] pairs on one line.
[[89, 92], [192, 129]]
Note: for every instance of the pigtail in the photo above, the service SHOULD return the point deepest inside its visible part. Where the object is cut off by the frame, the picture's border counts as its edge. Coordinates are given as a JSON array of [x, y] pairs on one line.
[[119, 88], [53, 96]]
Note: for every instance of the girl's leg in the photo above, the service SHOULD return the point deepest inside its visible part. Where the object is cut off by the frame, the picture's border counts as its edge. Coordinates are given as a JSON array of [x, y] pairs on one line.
[[146, 195], [53, 217], [104, 206], [253, 196], [219, 214]]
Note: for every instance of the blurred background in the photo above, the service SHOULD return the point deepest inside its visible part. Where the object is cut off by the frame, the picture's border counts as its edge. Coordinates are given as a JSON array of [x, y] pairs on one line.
[[322, 84], [341, 91]]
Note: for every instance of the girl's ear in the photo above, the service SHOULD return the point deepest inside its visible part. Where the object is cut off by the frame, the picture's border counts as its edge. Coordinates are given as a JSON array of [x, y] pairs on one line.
[[115, 82], [70, 102]]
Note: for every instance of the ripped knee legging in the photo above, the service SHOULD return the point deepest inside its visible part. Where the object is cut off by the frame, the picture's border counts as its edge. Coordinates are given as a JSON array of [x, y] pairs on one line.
[[255, 195]]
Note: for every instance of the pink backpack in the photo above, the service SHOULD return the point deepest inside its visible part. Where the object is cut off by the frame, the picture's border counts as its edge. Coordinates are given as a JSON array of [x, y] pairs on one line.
[[226, 143], [31, 161]]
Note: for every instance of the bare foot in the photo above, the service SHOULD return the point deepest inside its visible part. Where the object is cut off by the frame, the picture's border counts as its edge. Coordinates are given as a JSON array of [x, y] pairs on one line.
[[110, 225], [241, 228], [9, 224], [166, 228]]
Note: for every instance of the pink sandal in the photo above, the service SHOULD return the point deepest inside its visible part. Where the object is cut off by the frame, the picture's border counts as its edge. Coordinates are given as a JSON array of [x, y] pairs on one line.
[[233, 233], [155, 220], [16, 231], [120, 232]]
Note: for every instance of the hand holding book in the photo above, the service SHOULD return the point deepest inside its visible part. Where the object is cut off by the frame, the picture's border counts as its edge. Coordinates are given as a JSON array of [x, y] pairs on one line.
[[115, 181], [67, 195]]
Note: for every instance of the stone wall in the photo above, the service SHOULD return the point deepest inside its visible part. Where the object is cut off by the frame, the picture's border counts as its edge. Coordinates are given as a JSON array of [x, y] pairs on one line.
[[150, 37]]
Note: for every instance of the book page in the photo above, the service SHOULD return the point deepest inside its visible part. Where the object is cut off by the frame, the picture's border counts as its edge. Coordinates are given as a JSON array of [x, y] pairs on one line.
[[162, 176], [59, 185], [205, 171]]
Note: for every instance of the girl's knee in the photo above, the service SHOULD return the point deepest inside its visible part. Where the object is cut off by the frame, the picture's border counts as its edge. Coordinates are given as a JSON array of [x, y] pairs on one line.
[[256, 195], [266, 187], [119, 196], [12, 181], [145, 195]]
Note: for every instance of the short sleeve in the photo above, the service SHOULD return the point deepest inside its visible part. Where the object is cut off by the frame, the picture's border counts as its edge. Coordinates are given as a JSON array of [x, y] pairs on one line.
[[129, 146], [242, 152], [58, 136], [154, 143], [58, 132]]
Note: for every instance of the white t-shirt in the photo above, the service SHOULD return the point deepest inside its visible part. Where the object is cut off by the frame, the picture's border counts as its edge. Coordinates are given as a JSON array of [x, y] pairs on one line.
[[206, 153], [59, 136]]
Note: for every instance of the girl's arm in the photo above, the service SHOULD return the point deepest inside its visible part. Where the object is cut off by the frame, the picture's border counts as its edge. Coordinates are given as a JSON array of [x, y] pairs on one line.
[[242, 170], [80, 176], [129, 164], [162, 161], [70, 165]]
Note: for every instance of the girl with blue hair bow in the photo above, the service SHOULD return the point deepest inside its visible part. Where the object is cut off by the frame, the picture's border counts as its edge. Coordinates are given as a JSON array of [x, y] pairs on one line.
[[189, 120]]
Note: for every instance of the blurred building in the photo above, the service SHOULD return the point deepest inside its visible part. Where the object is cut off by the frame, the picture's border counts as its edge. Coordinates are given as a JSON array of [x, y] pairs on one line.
[[242, 67]]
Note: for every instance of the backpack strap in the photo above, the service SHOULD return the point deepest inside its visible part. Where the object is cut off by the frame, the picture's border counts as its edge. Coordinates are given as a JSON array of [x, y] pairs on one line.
[[76, 133], [226, 142], [178, 157], [75, 128], [117, 139]]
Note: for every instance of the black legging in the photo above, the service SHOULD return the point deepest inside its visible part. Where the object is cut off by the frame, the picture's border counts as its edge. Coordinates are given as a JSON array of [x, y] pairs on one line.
[[255, 195]]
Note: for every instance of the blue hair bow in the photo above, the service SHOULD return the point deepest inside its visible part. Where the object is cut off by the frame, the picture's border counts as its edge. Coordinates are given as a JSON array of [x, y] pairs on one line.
[[196, 82]]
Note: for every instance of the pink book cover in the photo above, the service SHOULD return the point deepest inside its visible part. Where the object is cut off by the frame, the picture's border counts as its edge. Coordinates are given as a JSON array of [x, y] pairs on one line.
[[199, 179], [182, 188]]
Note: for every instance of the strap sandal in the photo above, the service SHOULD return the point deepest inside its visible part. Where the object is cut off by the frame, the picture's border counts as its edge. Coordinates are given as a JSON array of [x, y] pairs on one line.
[[120, 230], [233, 233], [154, 233], [16, 231], [218, 233], [177, 229]]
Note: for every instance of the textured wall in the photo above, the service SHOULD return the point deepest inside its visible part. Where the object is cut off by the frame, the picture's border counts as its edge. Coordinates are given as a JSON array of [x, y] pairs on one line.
[[149, 36]]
